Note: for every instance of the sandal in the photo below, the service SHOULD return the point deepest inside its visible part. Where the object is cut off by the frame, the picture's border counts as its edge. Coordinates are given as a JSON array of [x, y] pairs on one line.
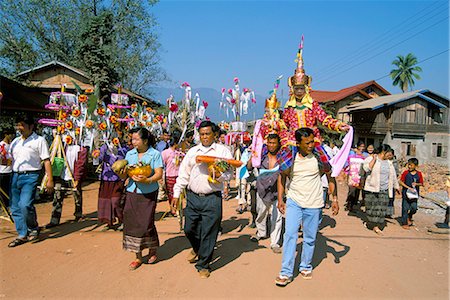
[[107, 227], [135, 264], [17, 242], [152, 256], [378, 231], [152, 259], [306, 274], [283, 280]]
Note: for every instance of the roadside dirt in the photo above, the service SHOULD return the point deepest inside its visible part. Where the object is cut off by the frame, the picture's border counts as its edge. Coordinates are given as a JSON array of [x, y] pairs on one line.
[[78, 260]]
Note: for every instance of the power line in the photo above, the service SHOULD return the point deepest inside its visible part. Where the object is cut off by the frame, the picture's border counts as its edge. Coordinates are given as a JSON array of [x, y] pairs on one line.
[[422, 61], [373, 56], [375, 40], [381, 40]]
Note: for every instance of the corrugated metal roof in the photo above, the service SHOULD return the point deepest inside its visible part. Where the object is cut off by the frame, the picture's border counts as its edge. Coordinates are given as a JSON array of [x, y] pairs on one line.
[[377, 103]]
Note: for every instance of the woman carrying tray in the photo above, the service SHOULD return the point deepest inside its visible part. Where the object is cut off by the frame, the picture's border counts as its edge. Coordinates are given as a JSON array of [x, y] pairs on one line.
[[139, 231]]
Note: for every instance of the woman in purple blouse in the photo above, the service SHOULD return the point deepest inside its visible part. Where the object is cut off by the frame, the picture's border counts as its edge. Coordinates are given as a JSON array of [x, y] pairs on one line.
[[111, 188]]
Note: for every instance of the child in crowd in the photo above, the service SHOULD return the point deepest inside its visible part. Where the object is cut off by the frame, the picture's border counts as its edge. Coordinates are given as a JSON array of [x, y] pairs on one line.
[[410, 180]]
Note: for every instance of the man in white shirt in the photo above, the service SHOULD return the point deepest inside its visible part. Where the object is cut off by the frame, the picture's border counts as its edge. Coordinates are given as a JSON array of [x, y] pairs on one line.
[[5, 165], [303, 206], [203, 212], [28, 152]]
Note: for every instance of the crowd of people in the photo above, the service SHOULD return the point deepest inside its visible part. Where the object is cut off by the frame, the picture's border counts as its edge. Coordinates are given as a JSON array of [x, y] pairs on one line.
[[288, 170], [128, 203]]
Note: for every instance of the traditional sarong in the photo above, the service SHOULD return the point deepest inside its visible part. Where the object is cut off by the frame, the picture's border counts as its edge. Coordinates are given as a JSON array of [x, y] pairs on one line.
[[109, 207], [170, 182], [376, 205], [139, 231]]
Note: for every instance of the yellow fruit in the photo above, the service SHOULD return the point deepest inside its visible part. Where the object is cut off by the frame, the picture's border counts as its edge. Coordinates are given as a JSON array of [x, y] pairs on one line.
[[119, 165], [144, 170]]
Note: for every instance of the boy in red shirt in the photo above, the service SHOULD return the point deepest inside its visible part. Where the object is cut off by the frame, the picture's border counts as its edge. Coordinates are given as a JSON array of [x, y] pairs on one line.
[[410, 180]]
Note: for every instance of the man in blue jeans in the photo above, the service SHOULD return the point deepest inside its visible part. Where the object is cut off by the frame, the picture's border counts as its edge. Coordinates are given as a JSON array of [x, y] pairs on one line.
[[28, 151], [303, 206]]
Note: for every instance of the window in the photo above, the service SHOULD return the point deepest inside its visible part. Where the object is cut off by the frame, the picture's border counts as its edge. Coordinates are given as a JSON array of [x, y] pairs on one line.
[[438, 116], [408, 149], [439, 150], [411, 116]]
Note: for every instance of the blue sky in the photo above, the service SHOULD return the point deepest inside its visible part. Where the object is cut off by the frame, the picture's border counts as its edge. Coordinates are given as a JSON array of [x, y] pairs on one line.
[[208, 43]]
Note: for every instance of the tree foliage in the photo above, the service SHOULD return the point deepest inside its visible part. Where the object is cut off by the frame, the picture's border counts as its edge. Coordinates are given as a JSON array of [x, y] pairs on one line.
[[405, 73], [113, 40], [95, 48]]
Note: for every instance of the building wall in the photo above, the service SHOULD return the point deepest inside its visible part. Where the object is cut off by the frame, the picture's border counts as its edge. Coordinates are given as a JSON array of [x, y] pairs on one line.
[[425, 150], [57, 76]]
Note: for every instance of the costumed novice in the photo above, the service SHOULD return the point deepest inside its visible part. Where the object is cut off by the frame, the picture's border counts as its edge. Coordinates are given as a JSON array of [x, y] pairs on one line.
[[302, 111], [270, 123]]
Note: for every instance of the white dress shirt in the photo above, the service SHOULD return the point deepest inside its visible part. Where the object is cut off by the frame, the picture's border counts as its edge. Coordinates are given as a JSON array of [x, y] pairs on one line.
[[27, 154], [195, 175]]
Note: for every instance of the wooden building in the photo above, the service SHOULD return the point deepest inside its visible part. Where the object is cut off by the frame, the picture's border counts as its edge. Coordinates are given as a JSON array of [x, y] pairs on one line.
[[29, 91], [51, 76], [414, 124]]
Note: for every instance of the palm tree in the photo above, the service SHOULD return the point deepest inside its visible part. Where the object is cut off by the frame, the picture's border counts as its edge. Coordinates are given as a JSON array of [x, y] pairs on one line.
[[404, 75]]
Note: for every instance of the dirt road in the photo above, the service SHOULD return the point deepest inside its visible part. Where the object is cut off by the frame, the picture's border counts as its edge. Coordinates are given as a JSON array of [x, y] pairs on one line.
[[78, 260]]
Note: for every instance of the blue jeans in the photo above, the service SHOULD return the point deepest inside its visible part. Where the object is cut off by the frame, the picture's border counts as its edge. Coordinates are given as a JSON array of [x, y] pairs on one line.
[[23, 190], [309, 218]]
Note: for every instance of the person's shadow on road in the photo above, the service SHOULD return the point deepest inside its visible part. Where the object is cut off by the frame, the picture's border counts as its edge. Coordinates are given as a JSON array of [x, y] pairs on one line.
[[68, 227], [233, 223], [230, 249], [172, 247], [323, 246]]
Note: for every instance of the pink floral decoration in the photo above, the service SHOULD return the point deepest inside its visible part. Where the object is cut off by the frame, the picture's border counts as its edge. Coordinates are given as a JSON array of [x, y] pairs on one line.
[[223, 90], [236, 80], [205, 104]]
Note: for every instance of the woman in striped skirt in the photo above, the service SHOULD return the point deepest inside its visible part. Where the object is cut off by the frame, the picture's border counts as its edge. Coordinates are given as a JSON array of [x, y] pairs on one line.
[[172, 158], [139, 231], [379, 186]]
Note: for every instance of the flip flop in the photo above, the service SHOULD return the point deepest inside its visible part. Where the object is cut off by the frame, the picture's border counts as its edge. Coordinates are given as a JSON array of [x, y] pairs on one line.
[[378, 231], [135, 264], [17, 242], [152, 259], [283, 280]]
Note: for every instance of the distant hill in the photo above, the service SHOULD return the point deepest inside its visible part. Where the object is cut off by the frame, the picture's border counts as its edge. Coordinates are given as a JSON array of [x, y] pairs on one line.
[[212, 96]]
